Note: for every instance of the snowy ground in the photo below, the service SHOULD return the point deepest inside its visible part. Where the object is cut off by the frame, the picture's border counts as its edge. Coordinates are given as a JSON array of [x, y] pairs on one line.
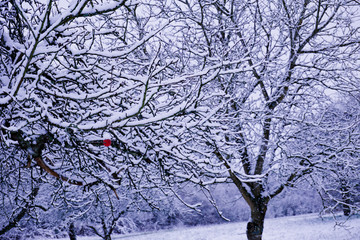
[[304, 227]]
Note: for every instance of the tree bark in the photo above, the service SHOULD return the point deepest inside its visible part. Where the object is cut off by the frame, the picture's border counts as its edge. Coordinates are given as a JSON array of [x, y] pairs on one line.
[[72, 233], [346, 199], [255, 226]]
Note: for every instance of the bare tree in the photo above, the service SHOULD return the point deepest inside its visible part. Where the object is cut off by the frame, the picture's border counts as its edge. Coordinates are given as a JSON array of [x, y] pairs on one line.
[[202, 91], [298, 55], [74, 73], [337, 138]]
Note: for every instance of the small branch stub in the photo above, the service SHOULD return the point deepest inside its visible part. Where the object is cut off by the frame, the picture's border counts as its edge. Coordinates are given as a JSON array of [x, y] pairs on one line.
[[107, 142]]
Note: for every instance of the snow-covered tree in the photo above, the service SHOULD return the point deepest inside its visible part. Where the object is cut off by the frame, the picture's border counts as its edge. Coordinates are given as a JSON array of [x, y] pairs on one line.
[[298, 55], [336, 138], [202, 91], [75, 73]]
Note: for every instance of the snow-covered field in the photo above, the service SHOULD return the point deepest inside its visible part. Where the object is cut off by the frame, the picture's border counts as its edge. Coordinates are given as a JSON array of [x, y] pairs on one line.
[[304, 227]]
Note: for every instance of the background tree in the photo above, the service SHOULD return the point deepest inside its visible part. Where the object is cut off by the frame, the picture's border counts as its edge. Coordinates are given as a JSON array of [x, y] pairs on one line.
[[337, 138]]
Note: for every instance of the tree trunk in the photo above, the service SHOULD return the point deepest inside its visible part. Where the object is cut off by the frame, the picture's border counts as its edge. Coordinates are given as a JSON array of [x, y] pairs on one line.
[[255, 226], [107, 232], [72, 234], [346, 199], [346, 210]]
